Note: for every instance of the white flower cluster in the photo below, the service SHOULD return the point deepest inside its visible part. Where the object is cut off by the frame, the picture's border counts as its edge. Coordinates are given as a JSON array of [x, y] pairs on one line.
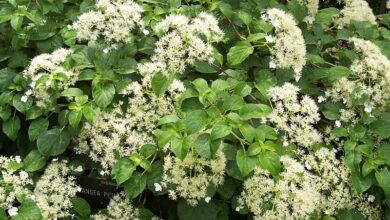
[[320, 186], [191, 177], [295, 116], [46, 72], [312, 7], [124, 130], [357, 10], [289, 49], [119, 208], [54, 191], [13, 183], [113, 20], [369, 78], [183, 43], [388, 4]]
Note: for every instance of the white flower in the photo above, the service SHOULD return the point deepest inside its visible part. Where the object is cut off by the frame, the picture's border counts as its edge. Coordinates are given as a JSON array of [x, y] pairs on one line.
[[18, 159], [338, 123], [79, 169], [184, 41], [367, 108], [24, 98], [13, 211], [145, 31], [113, 20], [269, 39], [106, 50], [272, 65], [309, 19], [237, 209], [285, 143], [157, 187], [207, 199], [357, 10], [307, 165], [321, 99], [294, 114], [79, 189], [32, 197], [371, 198], [289, 48]]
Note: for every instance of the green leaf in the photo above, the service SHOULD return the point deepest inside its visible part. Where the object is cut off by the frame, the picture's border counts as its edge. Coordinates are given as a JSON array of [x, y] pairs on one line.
[[383, 154], [126, 66], [270, 161], [53, 142], [350, 215], [203, 211], [11, 127], [91, 112], [220, 130], [81, 206], [245, 17], [337, 72], [180, 147], [250, 111], [195, 120], [233, 102], [34, 161], [381, 126], [6, 76], [72, 92], [160, 83], [245, 163], [74, 118], [201, 85], [37, 127], [135, 185], [33, 113], [226, 190], [256, 37], [28, 211], [298, 10], [361, 184], [19, 105], [103, 93], [16, 22], [383, 178], [204, 67], [5, 112], [122, 170], [203, 145], [239, 53]]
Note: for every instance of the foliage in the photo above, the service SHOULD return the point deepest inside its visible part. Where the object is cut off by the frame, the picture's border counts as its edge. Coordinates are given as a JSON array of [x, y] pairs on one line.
[[193, 93]]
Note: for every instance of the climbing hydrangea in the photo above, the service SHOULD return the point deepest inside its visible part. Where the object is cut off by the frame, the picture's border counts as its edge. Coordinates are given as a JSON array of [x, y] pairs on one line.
[[294, 115], [55, 190], [122, 131], [312, 6], [357, 10], [289, 49], [319, 184], [13, 183], [183, 43], [369, 78], [191, 176], [120, 207], [113, 20], [47, 71]]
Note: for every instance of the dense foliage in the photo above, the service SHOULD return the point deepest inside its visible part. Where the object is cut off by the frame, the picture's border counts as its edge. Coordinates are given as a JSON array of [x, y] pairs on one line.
[[195, 109]]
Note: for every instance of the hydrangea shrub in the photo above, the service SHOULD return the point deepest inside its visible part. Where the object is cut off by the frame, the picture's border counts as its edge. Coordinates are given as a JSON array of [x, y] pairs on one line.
[[195, 109]]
